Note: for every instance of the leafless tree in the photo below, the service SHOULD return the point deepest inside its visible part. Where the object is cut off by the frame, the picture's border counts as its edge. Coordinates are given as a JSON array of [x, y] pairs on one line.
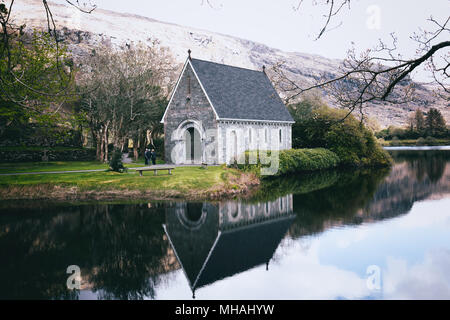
[[380, 74], [123, 93], [333, 8]]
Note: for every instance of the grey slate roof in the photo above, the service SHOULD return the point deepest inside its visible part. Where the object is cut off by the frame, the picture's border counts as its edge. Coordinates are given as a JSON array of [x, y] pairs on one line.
[[238, 93], [233, 251], [239, 250]]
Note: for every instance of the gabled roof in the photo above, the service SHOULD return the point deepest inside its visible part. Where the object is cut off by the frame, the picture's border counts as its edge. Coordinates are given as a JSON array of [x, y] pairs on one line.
[[241, 249], [233, 251], [238, 93]]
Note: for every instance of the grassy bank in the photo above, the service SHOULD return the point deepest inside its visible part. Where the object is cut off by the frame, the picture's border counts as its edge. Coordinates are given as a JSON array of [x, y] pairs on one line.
[[190, 183], [414, 142], [185, 182]]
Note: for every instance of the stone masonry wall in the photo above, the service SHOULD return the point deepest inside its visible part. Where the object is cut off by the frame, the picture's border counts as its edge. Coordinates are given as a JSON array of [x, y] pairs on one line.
[[181, 109], [47, 155], [252, 136]]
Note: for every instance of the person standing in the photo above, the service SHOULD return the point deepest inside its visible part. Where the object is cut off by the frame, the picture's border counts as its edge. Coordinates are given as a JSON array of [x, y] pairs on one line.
[[153, 156], [147, 155]]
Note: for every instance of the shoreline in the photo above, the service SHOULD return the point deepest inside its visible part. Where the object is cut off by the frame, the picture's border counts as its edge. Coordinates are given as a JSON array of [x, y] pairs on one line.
[[191, 183], [243, 186], [44, 193], [72, 194], [416, 148]]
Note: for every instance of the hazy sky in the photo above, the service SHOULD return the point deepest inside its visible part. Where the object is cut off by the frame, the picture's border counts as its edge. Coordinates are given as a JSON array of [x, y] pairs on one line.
[[276, 24]]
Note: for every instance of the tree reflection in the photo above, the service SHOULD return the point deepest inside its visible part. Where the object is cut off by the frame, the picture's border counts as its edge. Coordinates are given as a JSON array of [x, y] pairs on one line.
[[339, 203], [426, 164], [330, 198], [124, 251], [120, 249]]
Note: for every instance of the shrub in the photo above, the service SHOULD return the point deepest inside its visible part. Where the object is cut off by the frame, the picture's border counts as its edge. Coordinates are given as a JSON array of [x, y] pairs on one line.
[[291, 161], [115, 163], [431, 141], [395, 141], [421, 142], [323, 127]]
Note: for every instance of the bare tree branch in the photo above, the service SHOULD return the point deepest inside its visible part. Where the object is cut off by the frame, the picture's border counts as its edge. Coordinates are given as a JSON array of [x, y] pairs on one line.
[[85, 7], [334, 8], [8, 29], [379, 74]]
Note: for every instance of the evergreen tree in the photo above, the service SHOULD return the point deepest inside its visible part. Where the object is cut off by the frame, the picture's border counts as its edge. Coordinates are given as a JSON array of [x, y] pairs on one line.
[[435, 123], [419, 121]]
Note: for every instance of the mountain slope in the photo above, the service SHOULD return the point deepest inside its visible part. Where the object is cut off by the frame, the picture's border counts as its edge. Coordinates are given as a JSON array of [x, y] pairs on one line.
[[83, 31]]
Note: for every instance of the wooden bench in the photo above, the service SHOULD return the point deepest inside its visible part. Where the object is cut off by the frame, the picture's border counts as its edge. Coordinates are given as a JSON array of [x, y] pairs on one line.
[[155, 169]]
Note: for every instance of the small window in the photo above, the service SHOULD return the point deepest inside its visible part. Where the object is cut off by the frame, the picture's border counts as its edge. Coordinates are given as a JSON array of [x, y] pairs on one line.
[[280, 136], [250, 135], [266, 135], [189, 85]]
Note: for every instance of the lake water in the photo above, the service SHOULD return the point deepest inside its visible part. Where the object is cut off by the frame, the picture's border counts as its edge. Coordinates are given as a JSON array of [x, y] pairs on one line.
[[368, 234]]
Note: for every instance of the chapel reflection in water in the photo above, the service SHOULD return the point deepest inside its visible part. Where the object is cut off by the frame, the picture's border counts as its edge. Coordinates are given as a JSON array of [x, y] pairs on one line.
[[213, 241]]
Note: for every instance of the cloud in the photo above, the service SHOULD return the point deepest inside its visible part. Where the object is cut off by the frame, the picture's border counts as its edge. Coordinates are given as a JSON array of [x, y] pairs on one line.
[[297, 275], [425, 214], [429, 279]]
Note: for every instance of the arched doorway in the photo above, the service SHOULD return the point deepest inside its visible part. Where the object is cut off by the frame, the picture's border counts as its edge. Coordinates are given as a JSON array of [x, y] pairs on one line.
[[193, 215], [193, 147]]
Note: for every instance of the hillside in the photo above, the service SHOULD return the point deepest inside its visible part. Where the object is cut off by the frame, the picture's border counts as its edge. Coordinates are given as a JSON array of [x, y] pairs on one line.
[[83, 31]]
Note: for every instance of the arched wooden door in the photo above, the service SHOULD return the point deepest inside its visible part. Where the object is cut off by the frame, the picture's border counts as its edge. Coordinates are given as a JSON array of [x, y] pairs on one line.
[[193, 146]]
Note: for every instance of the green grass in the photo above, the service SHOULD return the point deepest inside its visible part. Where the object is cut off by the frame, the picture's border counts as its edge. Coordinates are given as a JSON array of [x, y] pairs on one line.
[[141, 161], [18, 167], [184, 179], [15, 167]]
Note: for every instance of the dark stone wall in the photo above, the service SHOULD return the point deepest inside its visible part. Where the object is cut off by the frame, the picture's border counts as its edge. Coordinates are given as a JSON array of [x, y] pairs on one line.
[[181, 109], [47, 155], [34, 135]]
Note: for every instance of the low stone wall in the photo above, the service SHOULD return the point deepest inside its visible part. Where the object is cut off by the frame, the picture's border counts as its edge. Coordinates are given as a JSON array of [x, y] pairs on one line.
[[47, 155], [34, 135]]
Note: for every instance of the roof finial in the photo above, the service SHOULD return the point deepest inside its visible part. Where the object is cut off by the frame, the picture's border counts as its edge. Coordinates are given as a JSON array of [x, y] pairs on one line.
[[264, 69], [189, 53]]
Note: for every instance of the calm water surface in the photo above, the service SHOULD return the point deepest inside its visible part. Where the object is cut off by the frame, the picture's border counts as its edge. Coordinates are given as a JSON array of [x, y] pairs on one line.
[[374, 234]]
